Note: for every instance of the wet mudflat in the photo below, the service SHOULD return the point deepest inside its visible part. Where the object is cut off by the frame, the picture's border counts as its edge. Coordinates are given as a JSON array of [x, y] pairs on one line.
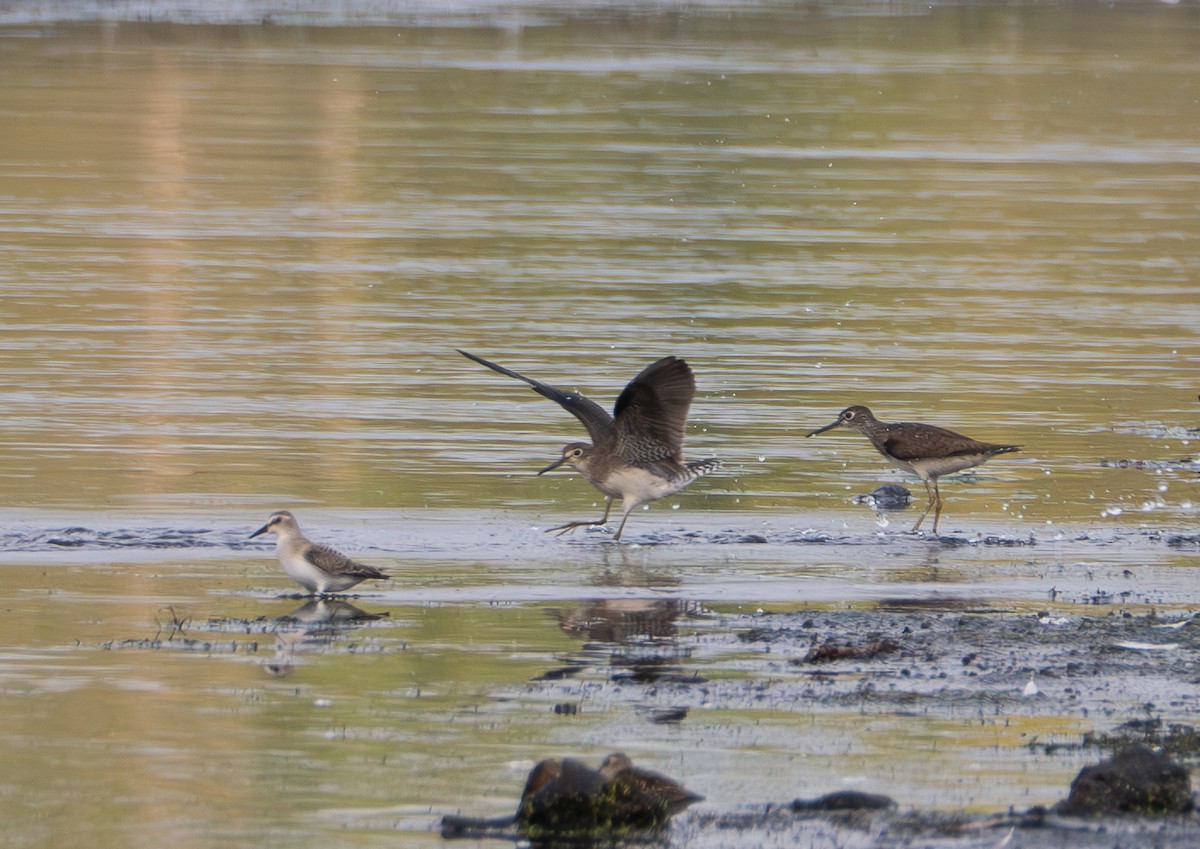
[[962, 676]]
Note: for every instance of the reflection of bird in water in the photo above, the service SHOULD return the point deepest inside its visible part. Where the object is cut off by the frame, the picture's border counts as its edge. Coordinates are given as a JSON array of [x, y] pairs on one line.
[[318, 568], [644, 786], [926, 451], [636, 454], [312, 626], [618, 620], [331, 611], [629, 639]]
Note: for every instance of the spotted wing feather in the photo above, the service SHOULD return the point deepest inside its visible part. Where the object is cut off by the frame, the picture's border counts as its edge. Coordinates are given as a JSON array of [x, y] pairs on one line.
[[595, 418], [333, 562], [651, 413], [917, 442]]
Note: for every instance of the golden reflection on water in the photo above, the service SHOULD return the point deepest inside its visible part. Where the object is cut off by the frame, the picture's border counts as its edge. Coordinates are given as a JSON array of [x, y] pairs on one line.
[[237, 261]]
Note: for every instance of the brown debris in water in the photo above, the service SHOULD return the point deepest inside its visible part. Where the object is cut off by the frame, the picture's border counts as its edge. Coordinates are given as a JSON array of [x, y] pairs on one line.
[[829, 652]]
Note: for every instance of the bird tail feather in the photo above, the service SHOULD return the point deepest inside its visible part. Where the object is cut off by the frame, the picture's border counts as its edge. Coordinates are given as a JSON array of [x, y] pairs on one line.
[[696, 468]]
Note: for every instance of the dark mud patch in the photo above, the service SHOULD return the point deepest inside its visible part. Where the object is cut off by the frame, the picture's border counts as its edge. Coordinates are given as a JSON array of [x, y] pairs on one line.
[[829, 652], [423, 540], [732, 536], [771, 826], [1133, 675], [918, 656], [929, 660], [1139, 797], [81, 538]]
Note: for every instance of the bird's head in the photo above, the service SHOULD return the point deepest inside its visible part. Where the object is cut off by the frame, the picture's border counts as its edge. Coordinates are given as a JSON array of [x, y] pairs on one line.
[[280, 523], [854, 417], [575, 454]]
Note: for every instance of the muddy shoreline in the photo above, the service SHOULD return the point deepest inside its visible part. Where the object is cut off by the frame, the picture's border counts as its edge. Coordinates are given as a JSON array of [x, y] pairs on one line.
[[1043, 650], [1131, 675]]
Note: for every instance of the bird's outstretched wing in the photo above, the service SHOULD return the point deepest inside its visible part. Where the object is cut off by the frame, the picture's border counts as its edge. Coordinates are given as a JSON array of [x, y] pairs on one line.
[[595, 418], [651, 413], [333, 562]]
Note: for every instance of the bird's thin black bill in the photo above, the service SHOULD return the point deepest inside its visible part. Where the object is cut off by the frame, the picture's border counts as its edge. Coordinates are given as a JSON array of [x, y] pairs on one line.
[[823, 429], [553, 466]]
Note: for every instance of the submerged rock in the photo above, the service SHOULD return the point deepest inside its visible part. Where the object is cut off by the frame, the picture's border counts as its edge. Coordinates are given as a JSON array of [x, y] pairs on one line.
[[1136, 780], [888, 497], [568, 799]]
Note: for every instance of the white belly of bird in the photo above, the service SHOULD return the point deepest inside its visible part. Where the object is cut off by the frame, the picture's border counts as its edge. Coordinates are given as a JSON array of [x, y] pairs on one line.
[[935, 468], [312, 578], [636, 487]]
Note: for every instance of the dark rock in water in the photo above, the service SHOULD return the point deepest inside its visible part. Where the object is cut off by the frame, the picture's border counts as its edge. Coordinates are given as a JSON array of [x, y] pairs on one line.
[[561, 797], [666, 717], [845, 800], [569, 800], [751, 539], [890, 496], [1136, 780]]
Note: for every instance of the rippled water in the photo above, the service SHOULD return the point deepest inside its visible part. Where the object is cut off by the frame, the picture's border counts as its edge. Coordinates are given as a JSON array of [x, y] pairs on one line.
[[237, 260]]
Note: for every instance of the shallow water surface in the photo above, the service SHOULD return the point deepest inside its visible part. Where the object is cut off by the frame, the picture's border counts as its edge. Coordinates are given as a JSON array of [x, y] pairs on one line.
[[237, 260]]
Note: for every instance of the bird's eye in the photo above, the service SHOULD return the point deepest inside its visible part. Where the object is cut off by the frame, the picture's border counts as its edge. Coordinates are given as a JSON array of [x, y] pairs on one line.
[[275, 520], [578, 452], [848, 415]]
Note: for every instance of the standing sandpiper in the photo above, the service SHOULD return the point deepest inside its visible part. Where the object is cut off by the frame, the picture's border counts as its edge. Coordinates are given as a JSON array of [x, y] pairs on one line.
[[636, 454], [926, 451], [318, 568]]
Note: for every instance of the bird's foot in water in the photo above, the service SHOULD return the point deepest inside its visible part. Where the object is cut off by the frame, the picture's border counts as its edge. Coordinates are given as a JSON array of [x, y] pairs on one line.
[[570, 526]]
